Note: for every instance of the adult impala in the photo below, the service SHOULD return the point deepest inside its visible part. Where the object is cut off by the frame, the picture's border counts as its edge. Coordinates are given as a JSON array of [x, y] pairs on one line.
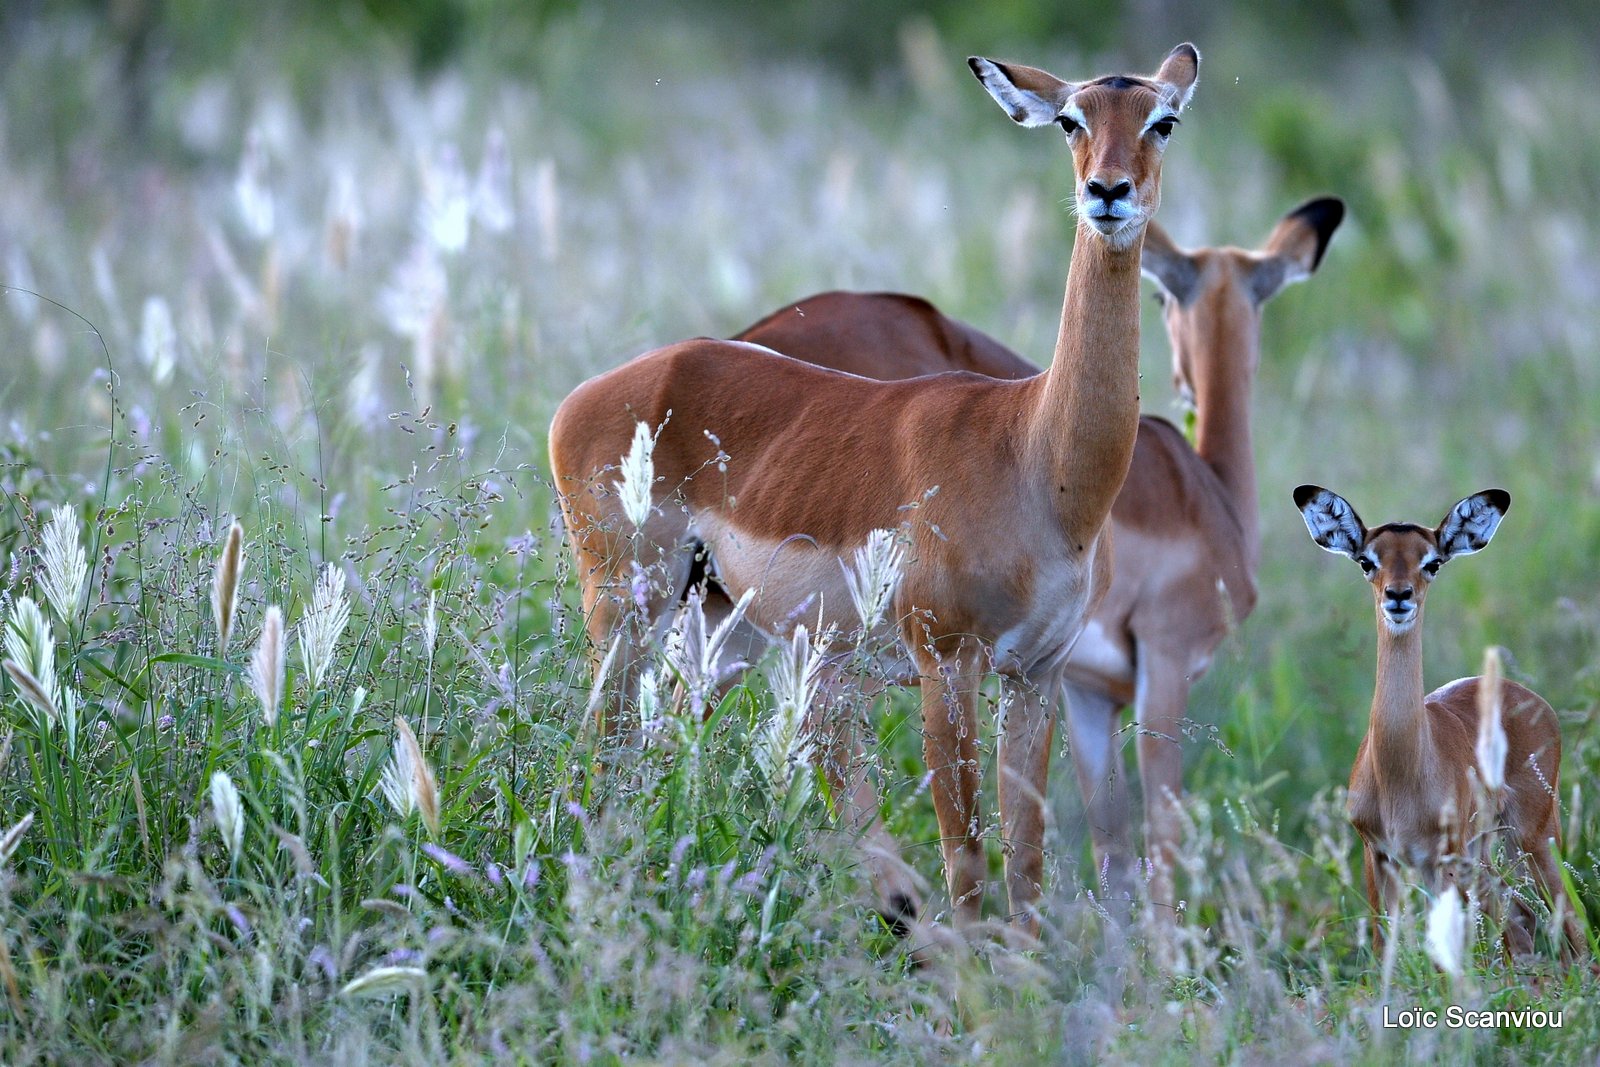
[[1412, 795], [783, 469], [1186, 526]]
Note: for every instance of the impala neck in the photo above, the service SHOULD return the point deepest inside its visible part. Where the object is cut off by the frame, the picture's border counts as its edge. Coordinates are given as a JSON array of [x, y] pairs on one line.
[[1222, 386], [1085, 418], [1398, 735]]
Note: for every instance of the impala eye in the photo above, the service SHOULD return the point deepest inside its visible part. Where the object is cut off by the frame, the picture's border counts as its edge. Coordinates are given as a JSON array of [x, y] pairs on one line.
[[1070, 125], [1367, 566], [1163, 128], [1431, 567]]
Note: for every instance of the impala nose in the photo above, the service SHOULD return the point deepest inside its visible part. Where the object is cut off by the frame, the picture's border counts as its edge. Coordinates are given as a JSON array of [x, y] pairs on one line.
[[1108, 194], [1398, 594]]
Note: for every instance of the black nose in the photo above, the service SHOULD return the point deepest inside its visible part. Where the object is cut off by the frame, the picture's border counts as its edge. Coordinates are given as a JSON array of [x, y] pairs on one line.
[[1400, 595], [1096, 187]]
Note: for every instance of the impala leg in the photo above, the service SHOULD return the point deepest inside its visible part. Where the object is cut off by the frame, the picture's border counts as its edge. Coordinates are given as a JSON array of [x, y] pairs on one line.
[[1541, 853], [1024, 762], [1384, 890], [1103, 781], [950, 749], [1162, 700], [841, 736]]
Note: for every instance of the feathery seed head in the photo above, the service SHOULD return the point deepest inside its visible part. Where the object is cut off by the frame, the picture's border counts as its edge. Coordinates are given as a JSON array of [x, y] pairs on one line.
[[408, 782], [1446, 932], [430, 623], [874, 577], [266, 665], [782, 749], [229, 812], [225, 586], [250, 187], [13, 838], [65, 566], [158, 339], [384, 981], [638, 476], [696, 656], [1492, 747], [31, 658], [324, 622]]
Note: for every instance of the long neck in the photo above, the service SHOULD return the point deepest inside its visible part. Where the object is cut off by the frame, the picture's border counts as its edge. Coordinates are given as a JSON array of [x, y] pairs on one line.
[[1222, 386], [1399, 740], [1086, 414]]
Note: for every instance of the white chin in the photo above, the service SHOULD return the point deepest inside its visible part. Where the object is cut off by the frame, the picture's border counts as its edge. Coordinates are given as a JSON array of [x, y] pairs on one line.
[[1118, 233], [1402, 625]]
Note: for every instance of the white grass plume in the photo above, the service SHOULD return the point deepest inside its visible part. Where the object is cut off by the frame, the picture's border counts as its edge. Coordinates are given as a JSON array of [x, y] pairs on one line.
[[225, 586], [1446, 932], [319, 631], [874, 576], [1492, 747], [65, 566], [228, 811], [638, 476], [12, 838], [407, 782], [695, 656], [384, 981], [158, 339], [266, 666], [782, 749], [31, 657]]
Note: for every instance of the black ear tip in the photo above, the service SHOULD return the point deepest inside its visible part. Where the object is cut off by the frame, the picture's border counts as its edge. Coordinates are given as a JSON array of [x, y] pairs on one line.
[[1323, 212], [1303, 494], [1499, 498], [975, 62]]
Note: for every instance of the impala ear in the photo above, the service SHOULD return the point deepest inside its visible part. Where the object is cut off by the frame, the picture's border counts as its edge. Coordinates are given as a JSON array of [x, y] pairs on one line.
[[1471, 523], [1179, 72], [1169, 266], [1294, 249], [1031, 97], [1333, 523]]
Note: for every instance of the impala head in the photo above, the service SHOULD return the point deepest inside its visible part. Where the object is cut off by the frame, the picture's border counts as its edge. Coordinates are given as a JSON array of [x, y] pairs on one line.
[[1213, 293], [1400, 559], [1117, 128]]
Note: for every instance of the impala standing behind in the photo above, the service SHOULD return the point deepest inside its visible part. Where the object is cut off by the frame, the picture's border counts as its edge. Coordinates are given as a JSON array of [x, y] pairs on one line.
[[1186, 524]]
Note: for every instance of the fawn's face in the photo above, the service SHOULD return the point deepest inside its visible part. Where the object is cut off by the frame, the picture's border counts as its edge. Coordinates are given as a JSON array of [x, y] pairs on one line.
[[1401, 559]]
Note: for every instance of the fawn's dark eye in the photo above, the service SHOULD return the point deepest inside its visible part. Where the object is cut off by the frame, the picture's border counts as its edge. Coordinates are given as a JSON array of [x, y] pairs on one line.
[[1164, 127], [1431, 567], [1367, 566], [1069, 125]]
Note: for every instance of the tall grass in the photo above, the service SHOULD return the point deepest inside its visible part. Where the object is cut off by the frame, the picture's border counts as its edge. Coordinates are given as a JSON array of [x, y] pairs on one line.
[[334, 304]]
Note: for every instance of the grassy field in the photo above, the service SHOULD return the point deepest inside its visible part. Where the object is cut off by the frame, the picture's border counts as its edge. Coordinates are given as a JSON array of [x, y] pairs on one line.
[[335, 301]]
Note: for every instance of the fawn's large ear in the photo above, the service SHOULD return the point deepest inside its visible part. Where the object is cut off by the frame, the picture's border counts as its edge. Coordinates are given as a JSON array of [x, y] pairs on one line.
[[1031, 97], [1471, 523], [1333, 523], [1167, 265], [1295, 247], [1179, 73]]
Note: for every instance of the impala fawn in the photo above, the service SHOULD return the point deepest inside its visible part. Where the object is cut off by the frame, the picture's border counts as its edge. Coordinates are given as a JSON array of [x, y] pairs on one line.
[[1416, 789]]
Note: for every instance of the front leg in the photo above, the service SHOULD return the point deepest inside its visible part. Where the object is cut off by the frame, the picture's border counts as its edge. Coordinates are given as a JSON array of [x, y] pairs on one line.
[[950, 749], [1026, 732], [1383, 890]]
